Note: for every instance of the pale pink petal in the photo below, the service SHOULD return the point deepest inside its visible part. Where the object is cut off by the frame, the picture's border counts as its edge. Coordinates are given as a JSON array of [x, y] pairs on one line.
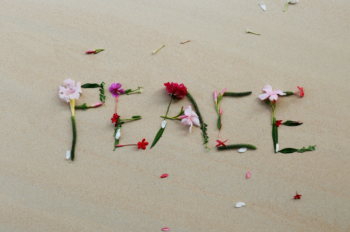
[[185, 121], [267, 89], [166, 229], [215, 96], [280, 92], [78, 87], [63, 93], [264, 96], [74, 95], [183, 116], [248, 175], [193, 114], [273, 97], [188, 110], [191, 127], [223, 91], [69, 83], [195, 121]]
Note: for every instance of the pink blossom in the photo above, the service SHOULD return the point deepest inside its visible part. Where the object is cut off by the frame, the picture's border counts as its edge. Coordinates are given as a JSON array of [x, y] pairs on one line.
[[98, 104], [215, 96], [116, 89], [271, 94], [190, 117], [223, 91], [69, 90]]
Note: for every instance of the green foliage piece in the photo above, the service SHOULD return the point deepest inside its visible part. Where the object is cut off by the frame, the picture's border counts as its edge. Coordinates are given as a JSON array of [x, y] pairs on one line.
[[74, 139], [274, 134], [234, 94], [83, 106], [292, 123], [288, 93], [158, 135], [203, 125], [292, 150], [90, 85], [116, 142], [219, 122], [235, 146]]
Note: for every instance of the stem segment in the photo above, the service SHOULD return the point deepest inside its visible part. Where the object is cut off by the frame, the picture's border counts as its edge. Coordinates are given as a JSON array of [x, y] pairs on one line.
[[74, 138], [285, 8]]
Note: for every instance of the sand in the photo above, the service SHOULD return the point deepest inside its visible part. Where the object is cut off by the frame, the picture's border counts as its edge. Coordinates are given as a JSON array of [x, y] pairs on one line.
[[43, 43]]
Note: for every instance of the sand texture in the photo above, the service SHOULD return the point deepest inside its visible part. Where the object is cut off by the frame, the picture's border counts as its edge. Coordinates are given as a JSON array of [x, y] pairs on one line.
[[43, 42]]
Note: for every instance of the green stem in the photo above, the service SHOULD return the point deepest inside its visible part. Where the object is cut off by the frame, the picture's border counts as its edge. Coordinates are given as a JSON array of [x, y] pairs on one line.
[[74, 138], [172, 118], [167, 111], [285, 8]]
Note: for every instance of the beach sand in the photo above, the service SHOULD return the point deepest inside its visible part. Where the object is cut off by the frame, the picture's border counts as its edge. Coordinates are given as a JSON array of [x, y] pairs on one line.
[[43, 42]]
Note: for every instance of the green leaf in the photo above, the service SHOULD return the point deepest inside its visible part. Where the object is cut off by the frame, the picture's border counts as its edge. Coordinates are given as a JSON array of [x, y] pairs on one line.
[[288, 93], [234, 146], [128, 91], [137, 116], [83, 106], [102, 91], [159, 134], [90, 85], [234, 94], [102, 98], [274, 134], [219, 122], [116, 142], [292, 123], [292, 150]]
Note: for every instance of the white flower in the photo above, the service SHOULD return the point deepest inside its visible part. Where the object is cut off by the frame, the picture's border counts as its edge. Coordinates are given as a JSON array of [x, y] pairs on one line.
[[117, 135], [163, 124], [69, 90]]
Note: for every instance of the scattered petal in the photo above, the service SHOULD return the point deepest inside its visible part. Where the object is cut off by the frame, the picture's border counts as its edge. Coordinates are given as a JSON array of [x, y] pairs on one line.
[[248, 174], [68, 155], [163, 124], [277, 147], [242, 150], [263, 6], [240, 204], [166, 229], [117, 135], [164, 175]]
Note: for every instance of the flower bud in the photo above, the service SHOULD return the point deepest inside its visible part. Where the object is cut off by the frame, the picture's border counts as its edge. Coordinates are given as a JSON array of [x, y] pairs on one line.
[[117, 135], [220, 112]]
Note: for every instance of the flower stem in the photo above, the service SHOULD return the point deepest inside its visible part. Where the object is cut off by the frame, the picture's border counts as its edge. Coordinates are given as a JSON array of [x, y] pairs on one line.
[[172, 118], [167, 111], [116, 103], [285, 8], [155, 51], [74, 138], [123, 145]]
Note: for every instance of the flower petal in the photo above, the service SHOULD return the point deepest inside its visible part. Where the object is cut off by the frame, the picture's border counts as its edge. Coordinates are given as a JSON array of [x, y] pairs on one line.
[[242, 150], [63, 93], [122, 91], [113, 87], [118, 85], [68, 155], [164, 175], [264, 96], [263, 6], [69, 83], [166, 229], [163, 124], [240, 204], [191, 127], [279, 92], [267, 89], [248, 174], [195, 121], [185, 121], [188, 110], [273, 97], [78, 87], [117, 135], [193, 114]]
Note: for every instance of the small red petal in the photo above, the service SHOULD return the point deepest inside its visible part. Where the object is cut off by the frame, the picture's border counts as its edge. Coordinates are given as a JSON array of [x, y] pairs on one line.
[[166, 229], [164, 175]]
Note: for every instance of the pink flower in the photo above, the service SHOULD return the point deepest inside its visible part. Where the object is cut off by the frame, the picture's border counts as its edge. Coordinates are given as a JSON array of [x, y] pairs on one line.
[[90, 52], [98, 104], [271, 94], [223, 91], [215, 96], [115, 89], [220, 111], [190, 117], [301, 91], [69, 90]]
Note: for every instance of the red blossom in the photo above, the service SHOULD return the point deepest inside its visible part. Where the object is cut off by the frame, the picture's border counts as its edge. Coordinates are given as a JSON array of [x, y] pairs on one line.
[[115, 119], [175, 90], [164, 175], [297, 196], [278, 123], [220, 143], [142, 144], [301, 91]]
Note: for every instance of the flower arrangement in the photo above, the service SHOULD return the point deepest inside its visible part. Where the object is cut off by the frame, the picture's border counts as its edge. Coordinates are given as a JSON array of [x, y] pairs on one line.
[[270, 97], [221, 144], [68, 93], [116, 91], [188, 116]]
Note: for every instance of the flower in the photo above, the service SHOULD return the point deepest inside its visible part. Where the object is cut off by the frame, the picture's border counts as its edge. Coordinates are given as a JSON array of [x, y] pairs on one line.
[[220, 111], [90, 52], [190, 117], [115, 89], [222, 94], [215, 96], [301, 91], [271, 94], [142, 144], [175, 90], [278, 123], [297, 196], [220, 143], [69, 90], [97, 104], [115, 119]]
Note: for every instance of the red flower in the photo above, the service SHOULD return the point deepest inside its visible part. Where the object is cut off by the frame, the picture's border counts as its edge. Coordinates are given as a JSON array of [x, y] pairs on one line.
[[220, 143], [142, 144], [175, 90], [297, 196], [301, 91], [115, 118], [278, 123]]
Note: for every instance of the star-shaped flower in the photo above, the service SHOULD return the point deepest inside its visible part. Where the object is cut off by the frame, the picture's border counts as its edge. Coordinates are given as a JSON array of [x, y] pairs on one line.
[[142, 144], [297, 196], [221, 143], [278, 123]]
